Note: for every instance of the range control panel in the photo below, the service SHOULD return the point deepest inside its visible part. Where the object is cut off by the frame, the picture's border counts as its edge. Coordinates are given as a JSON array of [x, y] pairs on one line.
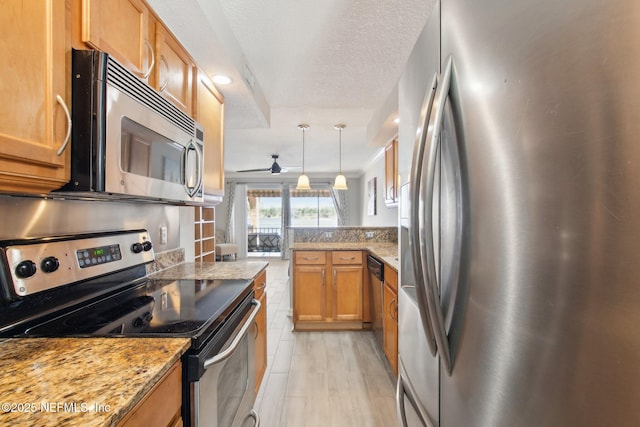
[[48, 263]]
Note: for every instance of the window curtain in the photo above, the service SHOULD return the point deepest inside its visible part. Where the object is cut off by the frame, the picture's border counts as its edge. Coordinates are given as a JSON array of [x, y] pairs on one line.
[[342, 207], [240, 212], [231, 195], [286, 221]]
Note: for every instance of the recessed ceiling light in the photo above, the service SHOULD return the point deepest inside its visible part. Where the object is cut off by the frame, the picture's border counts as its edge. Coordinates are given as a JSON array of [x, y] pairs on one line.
[[221, 79], [396, 120]]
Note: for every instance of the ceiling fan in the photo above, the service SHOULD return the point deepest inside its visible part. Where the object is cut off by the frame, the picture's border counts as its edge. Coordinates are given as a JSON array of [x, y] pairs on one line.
[[275, 168]]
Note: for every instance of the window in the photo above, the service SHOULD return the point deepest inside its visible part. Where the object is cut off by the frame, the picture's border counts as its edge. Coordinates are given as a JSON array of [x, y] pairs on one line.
[[313, 208]]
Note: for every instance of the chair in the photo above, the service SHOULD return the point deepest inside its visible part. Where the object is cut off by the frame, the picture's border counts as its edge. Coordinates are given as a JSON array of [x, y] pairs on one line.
[[224, 248]]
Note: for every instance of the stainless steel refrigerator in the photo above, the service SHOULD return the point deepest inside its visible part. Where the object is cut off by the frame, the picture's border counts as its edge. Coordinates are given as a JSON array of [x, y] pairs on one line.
[[520, 153]]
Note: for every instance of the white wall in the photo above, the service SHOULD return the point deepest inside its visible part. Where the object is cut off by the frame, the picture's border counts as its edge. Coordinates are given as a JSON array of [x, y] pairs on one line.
[[386, 216]]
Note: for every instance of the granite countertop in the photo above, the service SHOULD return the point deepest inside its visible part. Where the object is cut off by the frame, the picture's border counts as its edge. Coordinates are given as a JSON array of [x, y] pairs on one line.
[[241, 269], [386, 251], [70, 381]]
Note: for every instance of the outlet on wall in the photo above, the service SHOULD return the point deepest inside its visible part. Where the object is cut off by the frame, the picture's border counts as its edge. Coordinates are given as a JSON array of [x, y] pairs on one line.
[[163, 235], [328, 234], [368, 234]]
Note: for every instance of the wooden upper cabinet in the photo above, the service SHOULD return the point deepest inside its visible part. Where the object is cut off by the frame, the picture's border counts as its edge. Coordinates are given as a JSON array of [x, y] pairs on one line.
[[174, 70], [391, 189], [209, 112], [121, 28], [35, 95]]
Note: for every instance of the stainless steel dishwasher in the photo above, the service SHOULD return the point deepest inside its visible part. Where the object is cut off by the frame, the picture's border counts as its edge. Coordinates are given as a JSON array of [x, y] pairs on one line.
[[376, 280]]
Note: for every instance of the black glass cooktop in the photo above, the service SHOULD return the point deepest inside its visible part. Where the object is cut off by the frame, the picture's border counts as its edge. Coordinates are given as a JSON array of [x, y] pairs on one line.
[[168, 308]]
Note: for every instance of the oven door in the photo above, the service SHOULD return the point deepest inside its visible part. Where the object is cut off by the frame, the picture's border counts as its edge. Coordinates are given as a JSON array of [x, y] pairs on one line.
[[224, 394]]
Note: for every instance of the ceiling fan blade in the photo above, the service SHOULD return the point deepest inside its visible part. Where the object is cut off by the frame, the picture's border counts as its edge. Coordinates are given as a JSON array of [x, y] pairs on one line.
[[256, 170]]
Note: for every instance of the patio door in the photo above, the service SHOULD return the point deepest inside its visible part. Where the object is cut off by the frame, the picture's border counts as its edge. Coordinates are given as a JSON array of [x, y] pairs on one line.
[[264, 221]]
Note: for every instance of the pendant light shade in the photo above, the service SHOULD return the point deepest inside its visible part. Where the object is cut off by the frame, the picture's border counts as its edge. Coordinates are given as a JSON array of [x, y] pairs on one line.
[[341, 181], [303, 180]]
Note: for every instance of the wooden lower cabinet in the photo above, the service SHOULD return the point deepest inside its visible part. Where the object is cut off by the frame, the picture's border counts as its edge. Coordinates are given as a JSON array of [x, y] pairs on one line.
[[261, 329], [347, 293], [162, 405], [309, 293], [390, 318], [327, 290]]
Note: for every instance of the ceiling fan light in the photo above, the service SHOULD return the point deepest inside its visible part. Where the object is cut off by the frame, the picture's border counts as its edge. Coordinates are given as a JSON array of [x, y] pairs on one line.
[[340, 183], [303, 183]]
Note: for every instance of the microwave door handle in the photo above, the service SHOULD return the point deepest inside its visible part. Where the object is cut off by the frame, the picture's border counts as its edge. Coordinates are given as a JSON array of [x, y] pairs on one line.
[[190, 167]]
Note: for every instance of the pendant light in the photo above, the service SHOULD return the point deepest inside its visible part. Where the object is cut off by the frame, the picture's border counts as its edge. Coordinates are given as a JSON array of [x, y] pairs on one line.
[[303, 180], [341, 181]]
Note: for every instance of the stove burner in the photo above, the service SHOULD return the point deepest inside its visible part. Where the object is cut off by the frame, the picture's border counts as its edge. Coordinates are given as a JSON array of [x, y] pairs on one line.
[[130, 317]]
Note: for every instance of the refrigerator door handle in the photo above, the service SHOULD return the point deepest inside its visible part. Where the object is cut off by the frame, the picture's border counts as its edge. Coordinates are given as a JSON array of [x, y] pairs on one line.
[[404, 388], [426, 220], [415, 212]]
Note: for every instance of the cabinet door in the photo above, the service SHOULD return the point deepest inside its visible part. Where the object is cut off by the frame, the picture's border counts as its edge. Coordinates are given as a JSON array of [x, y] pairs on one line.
[[209, 112], [347, 293], [34, 72], [121, 28], [174, 70], [390, 172], [261, 341], [390, 327], [161, 405], [309, 293]]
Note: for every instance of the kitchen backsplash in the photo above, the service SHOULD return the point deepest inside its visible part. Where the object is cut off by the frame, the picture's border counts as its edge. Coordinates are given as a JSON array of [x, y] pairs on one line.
[[345, 234], [164, 260]]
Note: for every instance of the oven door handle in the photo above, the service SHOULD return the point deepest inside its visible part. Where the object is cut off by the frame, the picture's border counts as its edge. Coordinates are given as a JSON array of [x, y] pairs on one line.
[[220, 357]]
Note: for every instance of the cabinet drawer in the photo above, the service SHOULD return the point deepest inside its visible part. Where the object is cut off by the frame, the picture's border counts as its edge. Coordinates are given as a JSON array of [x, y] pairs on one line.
[[310, 257], [346, 257]]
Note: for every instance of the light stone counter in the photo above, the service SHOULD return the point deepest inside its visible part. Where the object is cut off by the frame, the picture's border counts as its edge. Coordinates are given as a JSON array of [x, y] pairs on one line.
[[241, 269], [387, 252], [70, 381]]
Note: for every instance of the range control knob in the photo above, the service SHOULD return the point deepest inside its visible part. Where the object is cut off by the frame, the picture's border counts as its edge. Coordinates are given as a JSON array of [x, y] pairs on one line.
[[136, 248], [50, 264], [146, 245], [142, 321], [26, 269]]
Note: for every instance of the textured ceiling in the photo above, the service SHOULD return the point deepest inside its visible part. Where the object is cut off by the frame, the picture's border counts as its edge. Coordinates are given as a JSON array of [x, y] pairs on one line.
[[319, 62]]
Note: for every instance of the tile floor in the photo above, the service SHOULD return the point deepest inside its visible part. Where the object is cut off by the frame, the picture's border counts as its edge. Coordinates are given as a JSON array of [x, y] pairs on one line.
[[328, 379]]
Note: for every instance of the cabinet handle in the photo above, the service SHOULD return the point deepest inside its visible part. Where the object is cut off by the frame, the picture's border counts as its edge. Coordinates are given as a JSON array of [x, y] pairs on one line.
[[68, 135], [347, 259], [392, 310], [262, 286], [153, 59], [166, 73], [310, 259], [324, 294], [334, 306], [257, 330]]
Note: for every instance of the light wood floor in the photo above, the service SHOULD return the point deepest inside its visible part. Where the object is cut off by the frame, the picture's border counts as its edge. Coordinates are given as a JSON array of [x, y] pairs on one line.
[[327, 379]]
